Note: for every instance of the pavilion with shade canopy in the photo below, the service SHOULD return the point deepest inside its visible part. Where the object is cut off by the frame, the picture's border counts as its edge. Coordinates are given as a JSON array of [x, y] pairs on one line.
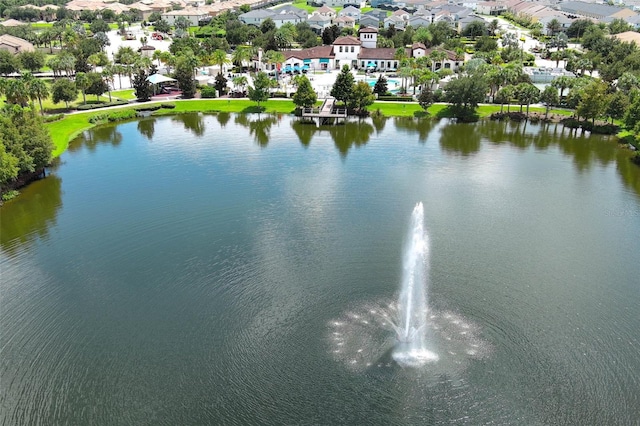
[[156, 79]]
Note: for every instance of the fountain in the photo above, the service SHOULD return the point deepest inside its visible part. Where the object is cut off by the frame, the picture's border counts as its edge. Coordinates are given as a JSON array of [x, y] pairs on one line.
[[411, 327], [406, 331]]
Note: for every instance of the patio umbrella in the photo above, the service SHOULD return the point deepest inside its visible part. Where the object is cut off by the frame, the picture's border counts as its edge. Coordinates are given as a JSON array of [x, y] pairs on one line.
[[157, 79]]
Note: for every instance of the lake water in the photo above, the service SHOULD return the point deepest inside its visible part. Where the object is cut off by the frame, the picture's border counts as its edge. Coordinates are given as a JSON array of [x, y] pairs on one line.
[[221, 269]]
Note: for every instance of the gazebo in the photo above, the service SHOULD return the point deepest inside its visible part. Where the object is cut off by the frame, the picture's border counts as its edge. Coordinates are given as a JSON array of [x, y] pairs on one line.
[[156, 79]]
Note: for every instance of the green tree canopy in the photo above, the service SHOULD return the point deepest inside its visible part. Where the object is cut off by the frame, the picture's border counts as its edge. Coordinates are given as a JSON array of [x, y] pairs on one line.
[[343, 85], [305, 96], [259, 92]]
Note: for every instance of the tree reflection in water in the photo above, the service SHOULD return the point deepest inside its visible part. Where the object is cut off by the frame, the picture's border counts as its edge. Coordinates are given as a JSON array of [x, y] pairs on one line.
[[91, 138], [146, 127], [30, 215], [345, 135], [194, 122], [259, 126]]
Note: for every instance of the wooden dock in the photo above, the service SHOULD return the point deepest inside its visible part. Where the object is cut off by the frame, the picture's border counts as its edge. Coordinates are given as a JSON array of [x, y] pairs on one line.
[[328, 113]]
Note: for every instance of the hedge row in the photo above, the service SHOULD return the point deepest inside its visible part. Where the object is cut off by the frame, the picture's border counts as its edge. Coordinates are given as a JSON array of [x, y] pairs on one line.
[[87, 107]]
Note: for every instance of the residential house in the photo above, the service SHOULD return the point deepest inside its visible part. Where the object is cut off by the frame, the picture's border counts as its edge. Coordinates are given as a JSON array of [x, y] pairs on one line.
[[318, 22], [283, 18], [565, 22], [492, 8], [344, 3], [11, 23], [256, 17], [15, 45], [327, 11], [352, 51], [345, 22], [143, 10], [395, 21], [350, 11], [599, 12], [369, 21], [417, 21], [192, 15]]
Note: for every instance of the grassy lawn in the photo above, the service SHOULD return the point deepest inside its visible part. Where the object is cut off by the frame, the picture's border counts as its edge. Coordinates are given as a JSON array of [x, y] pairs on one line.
[[281, 106], [127, 94], [63, 131], [302, 4]]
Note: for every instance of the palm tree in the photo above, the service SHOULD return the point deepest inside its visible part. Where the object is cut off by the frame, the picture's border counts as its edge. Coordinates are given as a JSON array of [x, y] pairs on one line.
[[37, 89], [241, 55], [82, 81], [220, 59], [437, 55], [563, 82], [16, 92], [240, 82], [108, 73], [274, 57]]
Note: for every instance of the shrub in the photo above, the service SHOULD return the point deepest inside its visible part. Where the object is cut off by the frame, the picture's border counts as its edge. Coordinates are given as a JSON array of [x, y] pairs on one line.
[[396, 98], [88, 107], [52, 118], [113, 116], [208, 92], [168, 105], [278, 95]]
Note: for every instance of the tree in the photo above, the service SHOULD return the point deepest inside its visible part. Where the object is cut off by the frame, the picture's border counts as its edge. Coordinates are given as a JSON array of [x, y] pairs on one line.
[[493, 27], [618, 26], [182, 23], [32, 61], [143, 89], [25, 143], [465, 93], [381, 86], [240, 82], [554, 26], [241, 55], [37, 89], [274, 57], [561, 83], [343, 85], [15, 90], [259, 92], [486, 44], [99, 26], [475, 29], [549, 97], [162, 26], [504, 96], [617, 106], [361, 96], [219, 58], [305, 96], [527, 94], [593, 102], [425, 98], [8, 62], [64, 90], [96, 84], [330, 34], [82, 82], [578, 27], [108, 73], [221, 84], [184, 75]]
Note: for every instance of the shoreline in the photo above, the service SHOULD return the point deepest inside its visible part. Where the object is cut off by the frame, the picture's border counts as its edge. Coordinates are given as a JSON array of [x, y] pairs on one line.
[[63, 131]]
